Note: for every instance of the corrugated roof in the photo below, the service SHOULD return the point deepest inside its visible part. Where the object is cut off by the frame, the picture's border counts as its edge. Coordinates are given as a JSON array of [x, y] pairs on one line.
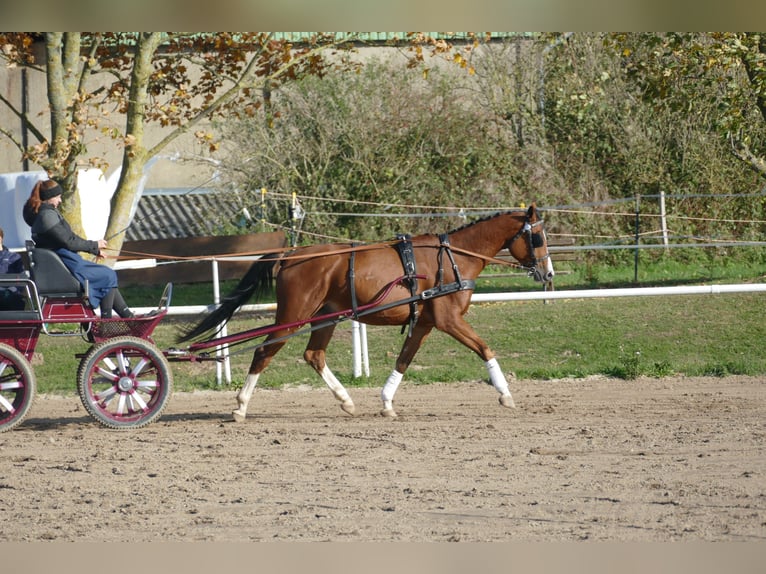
[[168, 213], [378, 37]]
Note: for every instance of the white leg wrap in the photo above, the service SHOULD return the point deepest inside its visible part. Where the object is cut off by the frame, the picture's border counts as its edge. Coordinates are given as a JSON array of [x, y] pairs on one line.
[[336, 387], [389, 389], [244, 395], [338, 390], [497, 378]]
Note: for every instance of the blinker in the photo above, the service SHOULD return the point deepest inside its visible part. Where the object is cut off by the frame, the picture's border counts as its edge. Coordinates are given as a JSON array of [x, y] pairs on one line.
[[537, 240]]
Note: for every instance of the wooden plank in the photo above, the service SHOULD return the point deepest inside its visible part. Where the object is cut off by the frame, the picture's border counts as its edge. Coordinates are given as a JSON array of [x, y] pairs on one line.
[[199, 271]]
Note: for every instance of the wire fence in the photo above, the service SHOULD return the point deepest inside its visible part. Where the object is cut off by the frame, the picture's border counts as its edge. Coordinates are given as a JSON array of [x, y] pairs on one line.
[[649, 225]]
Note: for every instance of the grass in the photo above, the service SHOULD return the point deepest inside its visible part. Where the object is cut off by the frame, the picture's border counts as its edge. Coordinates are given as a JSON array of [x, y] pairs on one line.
[[620, 337]]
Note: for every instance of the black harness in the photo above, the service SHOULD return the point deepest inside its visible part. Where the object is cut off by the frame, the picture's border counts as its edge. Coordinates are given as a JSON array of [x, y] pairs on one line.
[[534, 240], [407, 255], [410, 278]]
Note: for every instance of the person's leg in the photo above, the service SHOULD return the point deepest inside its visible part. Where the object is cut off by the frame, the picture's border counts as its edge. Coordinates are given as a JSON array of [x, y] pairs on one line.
[[106, 304], [120, 306]]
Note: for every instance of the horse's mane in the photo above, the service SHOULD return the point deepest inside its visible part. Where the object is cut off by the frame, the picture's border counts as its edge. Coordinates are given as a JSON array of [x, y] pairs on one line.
[[487, 218]]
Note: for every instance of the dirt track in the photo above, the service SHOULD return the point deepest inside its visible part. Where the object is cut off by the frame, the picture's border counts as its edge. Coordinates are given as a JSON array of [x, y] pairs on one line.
[[600, 459]]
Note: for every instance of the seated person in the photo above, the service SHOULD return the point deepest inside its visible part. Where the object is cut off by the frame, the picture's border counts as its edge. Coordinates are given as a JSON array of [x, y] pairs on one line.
[[10, 262], [51, 231]]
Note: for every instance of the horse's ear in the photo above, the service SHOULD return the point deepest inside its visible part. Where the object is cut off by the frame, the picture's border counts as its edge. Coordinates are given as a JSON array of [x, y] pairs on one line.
[[532, 210]]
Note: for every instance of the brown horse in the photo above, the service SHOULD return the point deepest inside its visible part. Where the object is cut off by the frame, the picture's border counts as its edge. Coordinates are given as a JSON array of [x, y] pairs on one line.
[[424, 281]]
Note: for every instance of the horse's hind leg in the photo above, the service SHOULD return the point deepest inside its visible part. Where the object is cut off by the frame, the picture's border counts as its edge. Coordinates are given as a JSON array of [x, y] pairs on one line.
[[243, 397], [410, 347], [316, 357], [261, 359]]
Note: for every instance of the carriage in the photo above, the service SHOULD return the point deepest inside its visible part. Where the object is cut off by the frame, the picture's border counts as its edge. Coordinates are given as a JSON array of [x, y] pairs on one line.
[[124, 380]]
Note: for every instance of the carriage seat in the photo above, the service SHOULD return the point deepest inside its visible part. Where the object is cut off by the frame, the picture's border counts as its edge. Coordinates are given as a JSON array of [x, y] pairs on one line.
[[50, 275]]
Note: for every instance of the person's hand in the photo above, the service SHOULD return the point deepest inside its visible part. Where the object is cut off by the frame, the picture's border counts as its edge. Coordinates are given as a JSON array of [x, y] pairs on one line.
[[101, 246]]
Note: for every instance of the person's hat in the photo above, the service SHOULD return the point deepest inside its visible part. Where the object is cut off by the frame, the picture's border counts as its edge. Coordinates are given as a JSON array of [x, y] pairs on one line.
[[46, 194]]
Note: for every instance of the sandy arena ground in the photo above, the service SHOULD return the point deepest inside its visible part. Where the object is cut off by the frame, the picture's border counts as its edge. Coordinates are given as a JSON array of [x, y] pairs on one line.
[[676, 459]]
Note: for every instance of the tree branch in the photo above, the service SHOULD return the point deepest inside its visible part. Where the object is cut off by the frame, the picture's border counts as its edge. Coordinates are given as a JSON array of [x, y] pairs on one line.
[[86, 67], [743, 152], [226, 97], [25, 120], [239, 85], [13, 139]]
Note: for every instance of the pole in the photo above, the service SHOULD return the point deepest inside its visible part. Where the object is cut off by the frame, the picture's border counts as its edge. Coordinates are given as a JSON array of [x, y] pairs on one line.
[[638, 237], [222, 350], [356, 349], [263, 209], [365, 354], [663, 219]]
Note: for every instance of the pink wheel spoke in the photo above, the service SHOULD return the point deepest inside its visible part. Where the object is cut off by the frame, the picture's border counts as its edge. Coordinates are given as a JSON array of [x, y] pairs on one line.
[[135, 371], [121, 363], [121, 404], [108, 374], [152, 384], [11, 385], [109, 364], [135, 397], [6, 405], [105, 395]]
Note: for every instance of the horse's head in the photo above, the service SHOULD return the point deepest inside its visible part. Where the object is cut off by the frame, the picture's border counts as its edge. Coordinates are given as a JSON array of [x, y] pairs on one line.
[[530, 247]]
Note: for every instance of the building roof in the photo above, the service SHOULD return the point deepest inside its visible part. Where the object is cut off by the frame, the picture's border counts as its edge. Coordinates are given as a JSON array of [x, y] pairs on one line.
[[179, 212]]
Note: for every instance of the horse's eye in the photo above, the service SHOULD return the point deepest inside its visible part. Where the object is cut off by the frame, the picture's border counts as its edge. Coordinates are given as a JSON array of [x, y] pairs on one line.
[[537, 240]]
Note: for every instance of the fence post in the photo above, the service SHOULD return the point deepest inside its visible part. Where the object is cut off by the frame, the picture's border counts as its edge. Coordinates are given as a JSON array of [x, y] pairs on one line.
[[365, 353], [263, 209], [638, 237], [360, 357], [222, 350], [356, 350], [663, 219]]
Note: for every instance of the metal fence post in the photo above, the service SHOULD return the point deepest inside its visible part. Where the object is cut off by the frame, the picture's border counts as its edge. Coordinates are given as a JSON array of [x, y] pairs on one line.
[[638, 237], [222, 350]]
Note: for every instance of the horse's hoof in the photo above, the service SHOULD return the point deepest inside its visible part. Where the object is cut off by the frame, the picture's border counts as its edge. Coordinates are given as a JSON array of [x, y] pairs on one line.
[[238, 417], [388, 413], [348, 406], [507, 401]]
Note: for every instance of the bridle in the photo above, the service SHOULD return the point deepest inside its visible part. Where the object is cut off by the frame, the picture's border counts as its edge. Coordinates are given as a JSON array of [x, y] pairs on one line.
[[535, 240]]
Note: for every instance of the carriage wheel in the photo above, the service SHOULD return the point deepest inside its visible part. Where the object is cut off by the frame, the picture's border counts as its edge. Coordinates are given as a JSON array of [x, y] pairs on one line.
[[17, 387], [124, 382]]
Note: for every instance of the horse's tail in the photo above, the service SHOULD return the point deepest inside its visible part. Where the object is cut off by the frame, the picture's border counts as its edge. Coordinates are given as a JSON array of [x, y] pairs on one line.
[[256, 282]]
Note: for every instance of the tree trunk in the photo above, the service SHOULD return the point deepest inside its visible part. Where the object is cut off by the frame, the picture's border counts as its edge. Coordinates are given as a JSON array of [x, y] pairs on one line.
[[135, 155], [63, 71]]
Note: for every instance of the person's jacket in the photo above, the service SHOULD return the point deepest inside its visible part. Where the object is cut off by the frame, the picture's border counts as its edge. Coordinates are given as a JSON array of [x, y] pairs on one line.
[[10, 261], [51, 231]]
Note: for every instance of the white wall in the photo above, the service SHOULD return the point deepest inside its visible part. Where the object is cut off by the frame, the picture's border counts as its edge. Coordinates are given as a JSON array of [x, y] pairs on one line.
[[95, 195]]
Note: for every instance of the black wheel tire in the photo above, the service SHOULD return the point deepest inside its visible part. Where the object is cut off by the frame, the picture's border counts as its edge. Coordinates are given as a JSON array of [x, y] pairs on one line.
[[18, 387], [124, 383]]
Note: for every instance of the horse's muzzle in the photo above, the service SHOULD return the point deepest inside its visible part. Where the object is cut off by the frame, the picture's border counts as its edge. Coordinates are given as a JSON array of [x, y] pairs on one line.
[[543, 272]]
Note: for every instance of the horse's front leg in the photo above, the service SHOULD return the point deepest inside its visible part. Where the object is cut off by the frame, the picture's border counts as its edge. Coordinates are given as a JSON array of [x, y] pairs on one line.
[[498, 380], [410, 347], [316, 357], [458, 328]]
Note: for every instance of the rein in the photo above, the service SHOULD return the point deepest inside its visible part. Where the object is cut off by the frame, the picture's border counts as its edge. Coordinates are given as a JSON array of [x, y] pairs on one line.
[[290, 255], [353, 249]]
